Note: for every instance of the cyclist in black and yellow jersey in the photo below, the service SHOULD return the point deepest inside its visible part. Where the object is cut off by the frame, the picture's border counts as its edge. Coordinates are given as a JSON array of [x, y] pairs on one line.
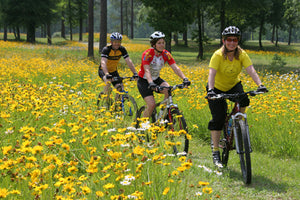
[[110, 57]]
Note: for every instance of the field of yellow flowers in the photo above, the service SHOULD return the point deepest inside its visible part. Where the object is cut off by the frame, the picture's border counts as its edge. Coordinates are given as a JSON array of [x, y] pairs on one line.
[[56, 144]]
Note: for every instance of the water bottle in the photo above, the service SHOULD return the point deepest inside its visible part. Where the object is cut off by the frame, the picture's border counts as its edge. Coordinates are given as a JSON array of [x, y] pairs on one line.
[[229, 126]]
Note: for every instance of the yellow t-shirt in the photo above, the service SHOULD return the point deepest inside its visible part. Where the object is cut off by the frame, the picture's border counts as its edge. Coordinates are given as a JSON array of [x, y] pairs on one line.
[[228, 71]]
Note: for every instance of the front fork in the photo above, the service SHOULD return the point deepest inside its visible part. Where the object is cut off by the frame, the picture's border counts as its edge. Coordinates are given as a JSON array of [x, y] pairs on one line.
[[235, 118]]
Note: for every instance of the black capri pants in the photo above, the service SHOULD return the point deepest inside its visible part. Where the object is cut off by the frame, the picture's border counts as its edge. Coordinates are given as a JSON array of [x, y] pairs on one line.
[[218, 107]]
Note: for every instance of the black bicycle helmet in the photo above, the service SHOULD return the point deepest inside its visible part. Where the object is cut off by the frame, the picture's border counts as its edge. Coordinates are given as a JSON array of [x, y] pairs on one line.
[[154, 37], [231, 31]]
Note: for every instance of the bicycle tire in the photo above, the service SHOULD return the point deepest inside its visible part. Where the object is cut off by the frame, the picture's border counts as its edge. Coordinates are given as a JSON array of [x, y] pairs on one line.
[[128, 106], [139, 115], [225, 148], [176, 124], [103, 102], [244, 154]]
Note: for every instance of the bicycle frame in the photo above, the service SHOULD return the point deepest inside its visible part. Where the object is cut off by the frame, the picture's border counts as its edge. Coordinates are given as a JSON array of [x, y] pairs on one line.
[[168, 102]]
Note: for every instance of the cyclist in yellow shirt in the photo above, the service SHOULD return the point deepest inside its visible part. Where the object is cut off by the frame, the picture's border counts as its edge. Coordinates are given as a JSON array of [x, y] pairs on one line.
[[110, 57], [224, 68]]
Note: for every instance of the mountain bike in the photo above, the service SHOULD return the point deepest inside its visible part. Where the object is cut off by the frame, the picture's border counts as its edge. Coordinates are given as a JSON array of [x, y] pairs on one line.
[[236, 134], [172, 118], [122, 101]]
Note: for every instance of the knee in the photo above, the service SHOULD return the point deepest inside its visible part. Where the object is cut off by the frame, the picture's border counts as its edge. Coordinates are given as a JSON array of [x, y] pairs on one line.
[[151, 106]]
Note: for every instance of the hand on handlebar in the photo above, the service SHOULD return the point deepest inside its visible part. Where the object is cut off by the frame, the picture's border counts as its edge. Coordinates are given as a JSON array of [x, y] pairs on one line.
[[210, 94], [108, 76], [135, 76], [153, 86], [186, 82], [262, 88]]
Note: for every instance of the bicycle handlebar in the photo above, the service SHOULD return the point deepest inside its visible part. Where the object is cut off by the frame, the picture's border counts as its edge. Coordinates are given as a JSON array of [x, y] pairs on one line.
[[116, 79], [235, 95], [180, 86]]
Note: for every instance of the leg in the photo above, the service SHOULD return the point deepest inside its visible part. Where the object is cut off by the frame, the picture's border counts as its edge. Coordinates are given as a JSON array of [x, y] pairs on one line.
[[215, 136], [165, 91], [119, 87], [150, 101]]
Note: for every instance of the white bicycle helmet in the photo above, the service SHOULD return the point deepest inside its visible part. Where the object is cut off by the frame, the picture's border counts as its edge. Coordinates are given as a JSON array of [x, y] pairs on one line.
[[154, 37], [116, 36], [231, 31]]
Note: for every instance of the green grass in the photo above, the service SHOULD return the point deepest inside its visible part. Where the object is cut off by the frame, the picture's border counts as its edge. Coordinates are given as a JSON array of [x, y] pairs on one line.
[[275, 174]]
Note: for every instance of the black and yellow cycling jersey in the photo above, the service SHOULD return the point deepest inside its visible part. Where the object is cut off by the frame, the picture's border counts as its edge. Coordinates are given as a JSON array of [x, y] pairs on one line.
[[113, 57]]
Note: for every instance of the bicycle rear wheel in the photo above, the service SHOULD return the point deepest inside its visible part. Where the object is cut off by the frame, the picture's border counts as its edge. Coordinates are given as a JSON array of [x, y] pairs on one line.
[[139, 117], [178, 135], [104, 101], [140, 121], [244, 151], [225, 148]]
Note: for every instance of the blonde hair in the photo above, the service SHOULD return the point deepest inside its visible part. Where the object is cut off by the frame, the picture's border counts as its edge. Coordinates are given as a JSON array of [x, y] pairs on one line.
[[237, 52]]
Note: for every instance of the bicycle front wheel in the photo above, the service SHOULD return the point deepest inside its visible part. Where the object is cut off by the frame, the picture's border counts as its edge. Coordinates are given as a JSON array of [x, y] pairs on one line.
[[178, 132], [104, 101], [128, 106], [244, 151]]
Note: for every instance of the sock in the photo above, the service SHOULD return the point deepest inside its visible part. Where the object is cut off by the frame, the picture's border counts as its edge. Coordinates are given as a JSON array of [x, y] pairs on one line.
[[216, 149]]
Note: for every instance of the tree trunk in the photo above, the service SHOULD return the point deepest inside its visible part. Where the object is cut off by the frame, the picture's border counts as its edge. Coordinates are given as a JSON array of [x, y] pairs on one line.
[[49, 33], [5, 32], [80, 28], [262, 21], [276, 32], [175, 38], [103, 25], [290, 35], [168, 42], [200, 42], [70, 21], [63, 29], [222, 19], [30, 33], [91, 29], [132, 22], [18, 33], [273, 33], [121, 18], [184, 37]]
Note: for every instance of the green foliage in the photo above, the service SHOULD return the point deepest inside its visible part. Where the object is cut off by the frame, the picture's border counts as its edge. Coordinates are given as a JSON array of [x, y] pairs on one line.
[[277, 61]]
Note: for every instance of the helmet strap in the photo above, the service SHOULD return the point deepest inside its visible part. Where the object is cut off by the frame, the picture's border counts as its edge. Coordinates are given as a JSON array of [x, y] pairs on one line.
[[228, 50], [156, 49]]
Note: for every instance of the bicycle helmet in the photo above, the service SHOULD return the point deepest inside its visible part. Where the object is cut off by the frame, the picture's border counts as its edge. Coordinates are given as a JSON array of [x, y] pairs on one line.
[[116, 36], [231, 31], [154, 37]]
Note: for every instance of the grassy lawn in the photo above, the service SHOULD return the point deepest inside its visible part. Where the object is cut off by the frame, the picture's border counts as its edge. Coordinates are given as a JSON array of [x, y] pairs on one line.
[[56, 143]]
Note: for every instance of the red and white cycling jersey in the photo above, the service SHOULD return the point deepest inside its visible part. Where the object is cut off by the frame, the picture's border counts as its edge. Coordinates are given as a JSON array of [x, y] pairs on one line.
[[155, 62]]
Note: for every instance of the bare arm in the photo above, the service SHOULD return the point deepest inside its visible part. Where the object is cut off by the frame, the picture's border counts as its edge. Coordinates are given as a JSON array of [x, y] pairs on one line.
[[147, 73], [251, 71], [211, 78], [130, 65], [177, 70], [103, 65]]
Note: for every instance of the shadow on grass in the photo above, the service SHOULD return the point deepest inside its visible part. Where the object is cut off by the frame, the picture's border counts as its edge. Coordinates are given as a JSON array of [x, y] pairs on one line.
[[260, 183]]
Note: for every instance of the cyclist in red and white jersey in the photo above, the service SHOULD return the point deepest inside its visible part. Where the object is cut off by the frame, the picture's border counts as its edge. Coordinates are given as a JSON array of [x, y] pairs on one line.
[[153, 59]]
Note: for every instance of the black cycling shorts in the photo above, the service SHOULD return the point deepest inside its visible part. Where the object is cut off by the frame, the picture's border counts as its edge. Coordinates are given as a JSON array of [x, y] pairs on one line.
[[218, 107], [143, 86], [114, 74]]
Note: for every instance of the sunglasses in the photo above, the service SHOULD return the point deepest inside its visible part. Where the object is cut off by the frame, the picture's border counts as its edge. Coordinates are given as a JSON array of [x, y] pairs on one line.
[[232, 40]]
